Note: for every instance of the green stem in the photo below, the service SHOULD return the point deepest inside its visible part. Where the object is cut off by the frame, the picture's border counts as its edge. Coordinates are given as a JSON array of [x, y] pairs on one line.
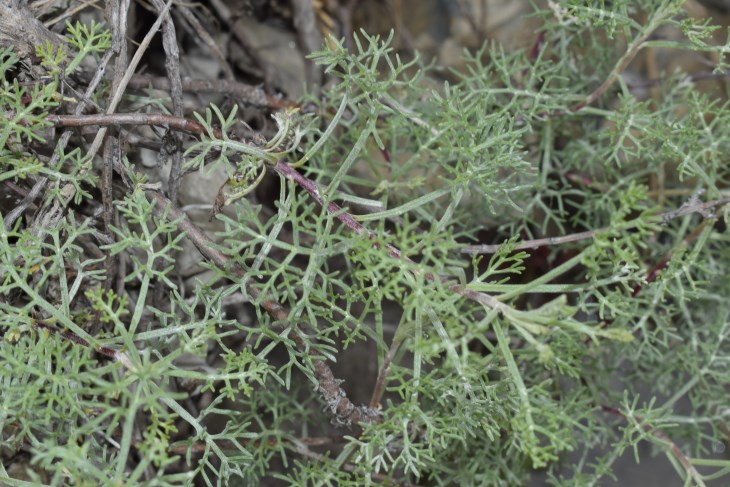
[[503, 344], [562, 268]]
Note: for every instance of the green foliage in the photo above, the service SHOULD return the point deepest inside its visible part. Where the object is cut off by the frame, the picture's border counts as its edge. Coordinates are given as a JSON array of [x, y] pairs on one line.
[[495, 369], [25, 109]]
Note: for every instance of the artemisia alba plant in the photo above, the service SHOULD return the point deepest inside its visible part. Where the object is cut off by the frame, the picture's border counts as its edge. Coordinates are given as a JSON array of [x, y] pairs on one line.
[[520, 275]]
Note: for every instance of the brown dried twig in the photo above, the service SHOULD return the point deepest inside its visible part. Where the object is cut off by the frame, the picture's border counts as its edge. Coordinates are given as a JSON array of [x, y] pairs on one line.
[[663, 438], [693, 207], [379, 388], [104, 120], [172, 66], [116, 12], [252, 95]]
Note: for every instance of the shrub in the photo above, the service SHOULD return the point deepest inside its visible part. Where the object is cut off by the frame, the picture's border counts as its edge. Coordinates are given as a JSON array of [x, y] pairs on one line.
[[600, 320]]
